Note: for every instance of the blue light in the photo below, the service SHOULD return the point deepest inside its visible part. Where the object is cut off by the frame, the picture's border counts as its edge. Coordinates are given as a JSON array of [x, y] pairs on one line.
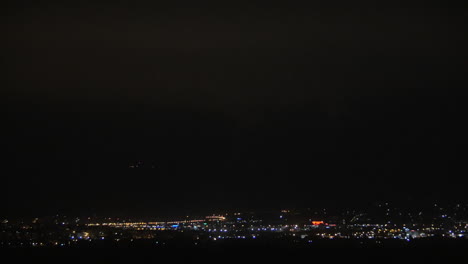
[[175, 226]]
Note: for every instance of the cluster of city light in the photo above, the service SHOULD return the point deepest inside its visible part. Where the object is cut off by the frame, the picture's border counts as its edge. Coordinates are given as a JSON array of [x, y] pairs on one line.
[[156, 225], [284, 224]]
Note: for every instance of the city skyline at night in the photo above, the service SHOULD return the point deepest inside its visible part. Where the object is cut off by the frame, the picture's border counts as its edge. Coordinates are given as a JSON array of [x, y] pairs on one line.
[[143, 125]]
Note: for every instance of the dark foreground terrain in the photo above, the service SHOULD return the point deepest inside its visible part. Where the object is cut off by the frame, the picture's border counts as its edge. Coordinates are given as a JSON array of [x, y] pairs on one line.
[[339, 251]]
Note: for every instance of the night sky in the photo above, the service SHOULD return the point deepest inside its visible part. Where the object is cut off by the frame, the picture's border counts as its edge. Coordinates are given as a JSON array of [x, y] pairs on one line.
[[224, 108]]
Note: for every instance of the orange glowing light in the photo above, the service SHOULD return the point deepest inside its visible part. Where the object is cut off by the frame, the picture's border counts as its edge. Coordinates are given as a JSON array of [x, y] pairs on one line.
[[318, 222]]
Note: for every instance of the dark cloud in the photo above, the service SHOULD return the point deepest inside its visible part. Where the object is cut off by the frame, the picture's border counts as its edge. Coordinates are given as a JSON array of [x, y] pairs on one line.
[[240, 104]]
